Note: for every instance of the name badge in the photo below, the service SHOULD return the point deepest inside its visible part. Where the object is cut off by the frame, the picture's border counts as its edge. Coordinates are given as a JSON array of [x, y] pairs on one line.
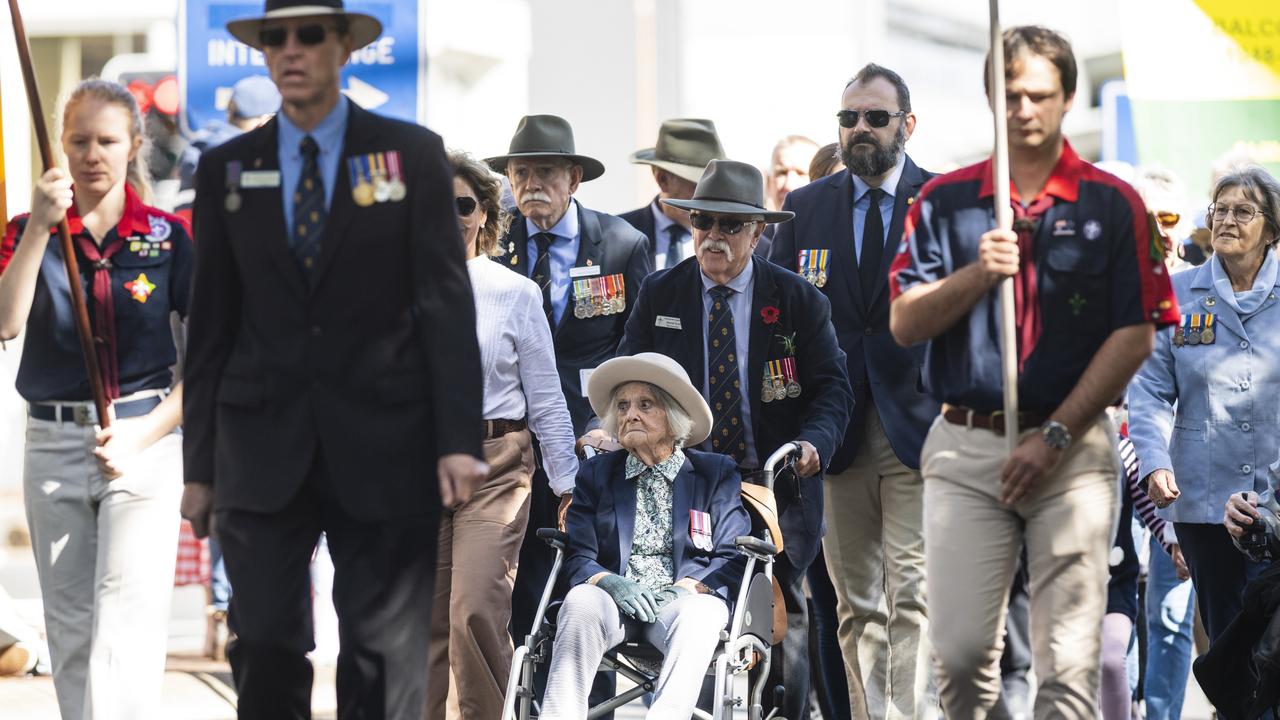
[[671, 323], [585, 271], [584, 375], [250, 179]]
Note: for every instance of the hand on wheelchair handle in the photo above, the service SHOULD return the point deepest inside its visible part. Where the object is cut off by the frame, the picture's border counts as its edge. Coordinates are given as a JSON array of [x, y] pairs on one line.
[[633, 599]]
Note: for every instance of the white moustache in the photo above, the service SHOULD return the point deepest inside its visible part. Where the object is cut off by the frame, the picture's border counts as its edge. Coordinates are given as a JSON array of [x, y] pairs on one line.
[[717, 246], [536, 197]]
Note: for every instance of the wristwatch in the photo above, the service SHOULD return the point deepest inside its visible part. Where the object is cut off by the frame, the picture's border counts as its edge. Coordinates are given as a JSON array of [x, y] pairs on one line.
[[1055, 435]]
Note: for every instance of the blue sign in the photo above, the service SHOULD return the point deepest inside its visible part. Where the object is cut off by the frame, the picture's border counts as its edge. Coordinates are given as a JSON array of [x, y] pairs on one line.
[[1119, 141], [387, 76]]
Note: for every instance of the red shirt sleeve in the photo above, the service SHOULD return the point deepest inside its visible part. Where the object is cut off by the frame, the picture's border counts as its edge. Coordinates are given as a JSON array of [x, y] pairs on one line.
[[10, 242]]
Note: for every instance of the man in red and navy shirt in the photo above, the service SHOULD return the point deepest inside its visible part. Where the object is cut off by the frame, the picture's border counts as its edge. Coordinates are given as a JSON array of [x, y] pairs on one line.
[[1090, 290]]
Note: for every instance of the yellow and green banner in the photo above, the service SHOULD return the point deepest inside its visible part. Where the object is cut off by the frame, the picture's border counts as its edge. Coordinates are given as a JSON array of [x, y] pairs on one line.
[[1204, 80]]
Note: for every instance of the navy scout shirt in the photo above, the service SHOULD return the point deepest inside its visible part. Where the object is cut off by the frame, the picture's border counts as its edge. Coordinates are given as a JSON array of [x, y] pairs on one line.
[[1098, 269], [150, 277]]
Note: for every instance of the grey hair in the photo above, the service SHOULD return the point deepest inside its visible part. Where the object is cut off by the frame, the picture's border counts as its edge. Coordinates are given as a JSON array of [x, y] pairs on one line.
[[1259, 186], [679, 421]]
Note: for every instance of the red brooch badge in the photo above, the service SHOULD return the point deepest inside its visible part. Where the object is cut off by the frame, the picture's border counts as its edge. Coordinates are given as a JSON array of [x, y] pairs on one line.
[[769, 314]]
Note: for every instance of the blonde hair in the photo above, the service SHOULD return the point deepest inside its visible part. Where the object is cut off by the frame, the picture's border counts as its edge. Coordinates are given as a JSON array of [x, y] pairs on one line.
[[105, 91]]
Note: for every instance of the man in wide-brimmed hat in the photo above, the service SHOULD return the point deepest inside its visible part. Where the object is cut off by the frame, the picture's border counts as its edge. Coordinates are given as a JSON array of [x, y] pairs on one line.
[[684, 147], [759, 342], [589, 266], [333, 375]]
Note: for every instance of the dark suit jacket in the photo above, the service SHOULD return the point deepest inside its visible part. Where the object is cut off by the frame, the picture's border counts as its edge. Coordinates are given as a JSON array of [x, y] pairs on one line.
[[601, 521], [375, 366], [824, 219], [583, 343], [820, 413]]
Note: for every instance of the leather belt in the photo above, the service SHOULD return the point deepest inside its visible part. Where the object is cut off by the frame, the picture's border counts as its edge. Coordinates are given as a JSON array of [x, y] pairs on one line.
[[994, 421], [85, 414], [497, 428]]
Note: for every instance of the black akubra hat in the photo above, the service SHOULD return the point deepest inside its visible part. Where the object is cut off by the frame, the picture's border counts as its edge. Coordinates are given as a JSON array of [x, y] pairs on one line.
[[546, 136], [684, 147], [730, 187], [364, 28]]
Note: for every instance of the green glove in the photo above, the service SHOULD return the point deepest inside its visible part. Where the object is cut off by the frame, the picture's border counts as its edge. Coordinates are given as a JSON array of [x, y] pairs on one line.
[[633, 599], [670, 594]]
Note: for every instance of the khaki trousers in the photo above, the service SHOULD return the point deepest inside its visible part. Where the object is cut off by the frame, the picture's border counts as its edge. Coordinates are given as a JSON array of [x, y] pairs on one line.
[[479, 548], [105, 553], [875, 556], [972, 543]]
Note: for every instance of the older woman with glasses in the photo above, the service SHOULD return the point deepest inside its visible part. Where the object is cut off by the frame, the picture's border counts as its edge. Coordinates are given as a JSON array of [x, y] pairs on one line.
[[1204, 411], [480, 540], [651, 531]]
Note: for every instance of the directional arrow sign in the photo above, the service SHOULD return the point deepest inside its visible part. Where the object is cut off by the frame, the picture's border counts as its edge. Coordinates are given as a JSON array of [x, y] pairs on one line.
[[388, 75]]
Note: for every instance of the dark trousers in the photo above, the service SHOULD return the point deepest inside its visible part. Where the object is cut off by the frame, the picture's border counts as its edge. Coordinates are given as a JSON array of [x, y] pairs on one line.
[[1219, 573], [382, 589], [789, 661], [830, 684]]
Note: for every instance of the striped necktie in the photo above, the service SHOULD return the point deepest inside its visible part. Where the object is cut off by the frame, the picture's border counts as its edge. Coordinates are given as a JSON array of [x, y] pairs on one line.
[[724, 387], [542, 273]]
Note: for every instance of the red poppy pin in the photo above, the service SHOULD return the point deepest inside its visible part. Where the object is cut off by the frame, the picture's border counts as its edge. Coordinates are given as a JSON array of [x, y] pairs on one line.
[[769, 314]]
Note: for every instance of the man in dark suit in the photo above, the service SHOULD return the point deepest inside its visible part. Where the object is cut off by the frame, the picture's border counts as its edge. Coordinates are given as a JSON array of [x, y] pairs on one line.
[[684, 148], [874, 545], [759, 341], [332, 373], [589, 266]]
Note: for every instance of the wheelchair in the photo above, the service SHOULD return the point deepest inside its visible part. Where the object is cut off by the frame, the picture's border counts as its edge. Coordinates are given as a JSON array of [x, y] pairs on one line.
[[744, 644]]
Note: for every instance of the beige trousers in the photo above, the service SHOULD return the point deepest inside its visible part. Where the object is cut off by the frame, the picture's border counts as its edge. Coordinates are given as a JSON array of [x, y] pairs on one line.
[[972, 543], [479, 548], [875, 556], [105, 552]]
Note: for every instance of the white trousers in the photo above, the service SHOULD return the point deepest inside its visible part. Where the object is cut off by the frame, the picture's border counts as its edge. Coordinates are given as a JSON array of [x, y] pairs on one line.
[[687, 632], [105, 554]]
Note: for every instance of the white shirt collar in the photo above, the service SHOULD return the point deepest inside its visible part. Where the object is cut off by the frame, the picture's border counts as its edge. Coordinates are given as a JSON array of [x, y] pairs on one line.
[[739, 284], [567, 227]]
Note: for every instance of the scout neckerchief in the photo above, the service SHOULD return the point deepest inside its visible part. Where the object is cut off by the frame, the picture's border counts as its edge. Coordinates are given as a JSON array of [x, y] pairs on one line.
[[133, 221], [1026, 299]]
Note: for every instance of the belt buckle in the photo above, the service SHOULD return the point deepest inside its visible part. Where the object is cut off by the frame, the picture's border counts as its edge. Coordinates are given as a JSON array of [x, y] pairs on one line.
[[968, 418], [994, 415], [82, 415]]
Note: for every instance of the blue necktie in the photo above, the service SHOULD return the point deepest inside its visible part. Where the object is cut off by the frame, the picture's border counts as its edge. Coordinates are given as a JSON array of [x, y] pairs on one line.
[[542, 273], [308, 209], [675, 234], [872, 244], [724, 388]]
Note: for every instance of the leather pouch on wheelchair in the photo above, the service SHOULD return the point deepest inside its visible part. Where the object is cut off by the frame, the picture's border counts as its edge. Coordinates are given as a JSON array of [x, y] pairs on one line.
[[763, 509]]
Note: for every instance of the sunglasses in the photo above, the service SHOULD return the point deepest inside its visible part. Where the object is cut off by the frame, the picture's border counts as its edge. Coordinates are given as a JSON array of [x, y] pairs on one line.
[[875, 118], [310, 34], [728, 225], [1168, 219], [466, 205]]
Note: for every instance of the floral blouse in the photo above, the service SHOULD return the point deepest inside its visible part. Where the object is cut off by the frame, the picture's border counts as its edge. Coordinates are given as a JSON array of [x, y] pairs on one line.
[[651, 546]]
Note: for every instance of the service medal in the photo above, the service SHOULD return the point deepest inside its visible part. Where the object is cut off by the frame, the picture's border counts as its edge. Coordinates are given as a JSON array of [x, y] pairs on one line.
[[579, 310], [232, 202], [363, 194], [1178, 338], [822, 279], [396, 189], [1193, 335], [793, 389], [1206, 335], [381, 188]]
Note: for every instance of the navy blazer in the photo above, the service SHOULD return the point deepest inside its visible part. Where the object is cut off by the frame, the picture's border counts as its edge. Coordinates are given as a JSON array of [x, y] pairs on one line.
[[601, 521], [583, 343], [821, 412], [824, 219]]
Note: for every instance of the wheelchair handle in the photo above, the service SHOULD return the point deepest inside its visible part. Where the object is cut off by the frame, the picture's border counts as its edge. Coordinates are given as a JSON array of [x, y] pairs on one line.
[[553, 537], [779, 456], [762, 549]]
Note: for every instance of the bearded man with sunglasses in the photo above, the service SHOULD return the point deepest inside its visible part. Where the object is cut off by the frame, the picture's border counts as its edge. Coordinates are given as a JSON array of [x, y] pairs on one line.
[[757, 339], [333, 374], [874, 546]]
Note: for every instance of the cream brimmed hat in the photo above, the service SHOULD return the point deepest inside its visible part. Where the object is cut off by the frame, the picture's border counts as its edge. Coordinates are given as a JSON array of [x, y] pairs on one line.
[[364, 28], [655, 369]]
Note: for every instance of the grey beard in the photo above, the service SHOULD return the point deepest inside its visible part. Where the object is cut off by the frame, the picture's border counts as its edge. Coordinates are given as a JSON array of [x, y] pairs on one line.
[[875, 162]]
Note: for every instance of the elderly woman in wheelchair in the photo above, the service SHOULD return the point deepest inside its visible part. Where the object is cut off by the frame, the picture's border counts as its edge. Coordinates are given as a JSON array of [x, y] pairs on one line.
[[650, 553]]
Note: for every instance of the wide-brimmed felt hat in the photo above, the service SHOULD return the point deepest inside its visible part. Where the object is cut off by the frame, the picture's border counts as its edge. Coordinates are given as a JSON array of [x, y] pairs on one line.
[[655, 369], [546, 136], [364, 28], [730, 187], [684, 147]]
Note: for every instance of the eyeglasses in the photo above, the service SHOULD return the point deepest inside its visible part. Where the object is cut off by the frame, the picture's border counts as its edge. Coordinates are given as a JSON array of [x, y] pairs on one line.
[[466, 205], [1168, 219], [310, 34], [875, 118], [1243, 214], [728, 225]]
